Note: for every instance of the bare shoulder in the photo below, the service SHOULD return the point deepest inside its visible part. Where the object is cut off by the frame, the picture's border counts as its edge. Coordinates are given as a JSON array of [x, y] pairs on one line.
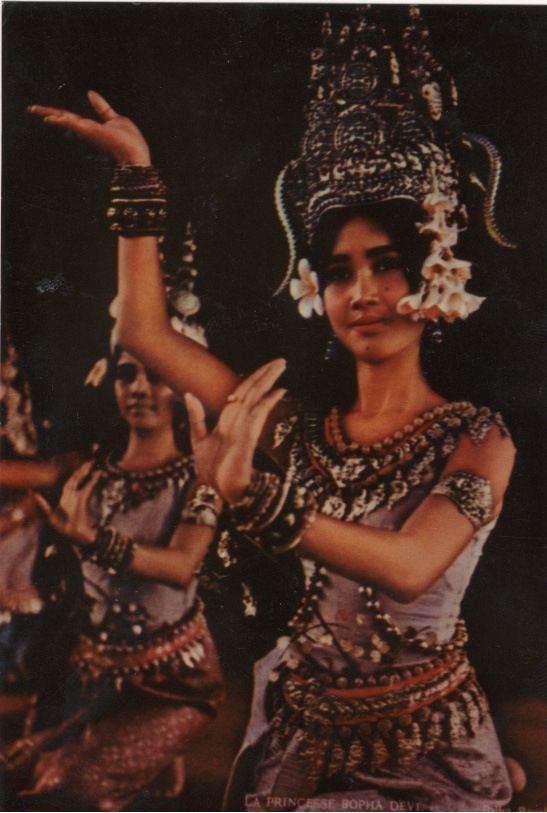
[[491, 457]]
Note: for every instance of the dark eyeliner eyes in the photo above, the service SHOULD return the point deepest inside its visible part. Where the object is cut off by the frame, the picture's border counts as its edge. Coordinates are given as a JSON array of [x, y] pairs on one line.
[[337, 273], [127, 373], [383, 264], [343, 273]]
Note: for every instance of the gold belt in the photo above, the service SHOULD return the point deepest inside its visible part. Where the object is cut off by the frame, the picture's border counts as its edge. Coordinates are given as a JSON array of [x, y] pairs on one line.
[[400, 697], [181, 644], [345, 730]]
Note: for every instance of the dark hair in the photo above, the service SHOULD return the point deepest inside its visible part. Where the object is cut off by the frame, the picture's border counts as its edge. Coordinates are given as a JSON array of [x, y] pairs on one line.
[[112, 432], [397, 218]]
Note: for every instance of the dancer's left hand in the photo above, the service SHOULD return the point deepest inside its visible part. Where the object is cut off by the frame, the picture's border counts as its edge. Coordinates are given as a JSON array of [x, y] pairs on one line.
[[224, 457]]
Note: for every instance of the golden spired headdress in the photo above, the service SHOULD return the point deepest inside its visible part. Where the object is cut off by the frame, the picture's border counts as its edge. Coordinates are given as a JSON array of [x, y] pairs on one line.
[[381, 126]]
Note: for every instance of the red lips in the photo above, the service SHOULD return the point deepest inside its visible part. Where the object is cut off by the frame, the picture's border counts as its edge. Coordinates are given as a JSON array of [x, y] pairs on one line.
[[367, 321], [138, 405]]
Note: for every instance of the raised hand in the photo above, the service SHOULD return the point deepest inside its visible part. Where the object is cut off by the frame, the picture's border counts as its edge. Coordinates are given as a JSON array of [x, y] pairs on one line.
[[114, 134], [224, 457], [70, 518]]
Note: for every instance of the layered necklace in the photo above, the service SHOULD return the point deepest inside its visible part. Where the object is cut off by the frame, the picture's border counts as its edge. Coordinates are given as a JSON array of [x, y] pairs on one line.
[[393, 464]]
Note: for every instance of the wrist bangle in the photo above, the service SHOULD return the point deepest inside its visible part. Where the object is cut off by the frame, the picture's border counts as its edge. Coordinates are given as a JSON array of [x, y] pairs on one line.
[[259, 504], [111, 550], [201, 507], [274, 514], [138, 202]]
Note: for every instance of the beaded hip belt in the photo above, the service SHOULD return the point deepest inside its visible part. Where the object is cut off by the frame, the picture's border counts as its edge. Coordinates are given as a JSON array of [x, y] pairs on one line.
[[347, 730], [181, 645]]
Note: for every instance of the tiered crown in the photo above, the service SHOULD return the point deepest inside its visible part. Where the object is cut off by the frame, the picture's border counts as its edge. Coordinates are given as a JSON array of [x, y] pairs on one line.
[[382, 125], [375, 121]]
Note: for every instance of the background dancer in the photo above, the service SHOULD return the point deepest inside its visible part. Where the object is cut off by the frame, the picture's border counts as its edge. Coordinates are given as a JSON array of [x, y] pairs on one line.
[[147, 676]]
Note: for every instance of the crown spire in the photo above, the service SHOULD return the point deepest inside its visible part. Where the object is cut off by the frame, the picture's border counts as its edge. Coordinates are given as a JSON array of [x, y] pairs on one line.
[[430, 81]]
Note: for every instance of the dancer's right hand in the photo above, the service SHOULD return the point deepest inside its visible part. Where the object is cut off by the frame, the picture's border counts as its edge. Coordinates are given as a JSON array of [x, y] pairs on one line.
[[114, 134], [73, 528]]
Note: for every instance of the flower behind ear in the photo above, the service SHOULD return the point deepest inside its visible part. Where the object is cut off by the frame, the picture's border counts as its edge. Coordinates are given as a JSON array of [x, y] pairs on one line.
[[442, 293], [97, 373], [306, 289]]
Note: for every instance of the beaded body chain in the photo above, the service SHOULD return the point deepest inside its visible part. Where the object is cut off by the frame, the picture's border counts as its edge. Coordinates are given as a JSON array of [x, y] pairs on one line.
[[349, 482]]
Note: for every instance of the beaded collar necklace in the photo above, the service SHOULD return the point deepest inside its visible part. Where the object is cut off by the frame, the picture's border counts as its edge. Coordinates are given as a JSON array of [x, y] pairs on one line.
[[351, 480], [113, 469], [122, 489], [350, 464], [343, 444]]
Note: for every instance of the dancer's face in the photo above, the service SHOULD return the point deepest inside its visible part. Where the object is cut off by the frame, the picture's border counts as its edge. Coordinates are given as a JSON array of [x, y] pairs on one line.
[[145, 402], [364, 280]]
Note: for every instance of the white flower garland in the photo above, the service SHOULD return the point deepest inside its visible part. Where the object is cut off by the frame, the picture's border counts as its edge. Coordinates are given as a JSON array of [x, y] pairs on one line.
[[442, 293]]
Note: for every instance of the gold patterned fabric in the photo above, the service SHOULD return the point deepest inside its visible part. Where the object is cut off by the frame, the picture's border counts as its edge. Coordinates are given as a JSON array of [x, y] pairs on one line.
[[402, 715]]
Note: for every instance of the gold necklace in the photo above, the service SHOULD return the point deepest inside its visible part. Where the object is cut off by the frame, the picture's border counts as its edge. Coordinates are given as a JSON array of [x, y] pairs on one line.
[[344, 444]]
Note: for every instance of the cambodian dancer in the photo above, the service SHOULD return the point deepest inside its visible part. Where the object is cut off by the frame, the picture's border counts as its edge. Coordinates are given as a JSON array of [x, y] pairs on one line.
[[146, 671], [389, 493]]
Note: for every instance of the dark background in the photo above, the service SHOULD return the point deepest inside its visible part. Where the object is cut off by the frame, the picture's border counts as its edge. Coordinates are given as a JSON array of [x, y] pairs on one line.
[[218, 90]]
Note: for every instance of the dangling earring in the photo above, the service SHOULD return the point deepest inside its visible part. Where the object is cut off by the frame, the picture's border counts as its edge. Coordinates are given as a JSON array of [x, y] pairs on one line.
[[331, 348], [437, 334]]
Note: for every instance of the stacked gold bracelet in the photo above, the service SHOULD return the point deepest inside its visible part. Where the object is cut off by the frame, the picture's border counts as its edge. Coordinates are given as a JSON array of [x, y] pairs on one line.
[[275, 514], [111, 550], [139, 203]]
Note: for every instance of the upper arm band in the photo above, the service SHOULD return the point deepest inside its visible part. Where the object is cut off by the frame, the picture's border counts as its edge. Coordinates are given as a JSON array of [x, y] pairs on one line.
[[471, 494]]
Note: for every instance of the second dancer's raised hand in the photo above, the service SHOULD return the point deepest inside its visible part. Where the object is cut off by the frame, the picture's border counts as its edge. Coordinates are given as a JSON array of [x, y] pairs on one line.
[[224, 456], [114, 134], [70, 519]]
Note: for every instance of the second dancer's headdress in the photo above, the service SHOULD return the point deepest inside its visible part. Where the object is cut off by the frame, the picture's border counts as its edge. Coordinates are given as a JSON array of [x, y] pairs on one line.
[[382, 126], [183, 303]]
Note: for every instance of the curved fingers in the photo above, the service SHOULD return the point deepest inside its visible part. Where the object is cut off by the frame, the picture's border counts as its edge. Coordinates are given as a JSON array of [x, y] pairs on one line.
[[258, 383], [196, 418], [98, 103], [43, 505], [78, 124], [42, 110], [101, 106], [59, 520], [88, 128], [54, 115], [260, 412], [251, 392], [263, 385], [263, 373], [247, 423]]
